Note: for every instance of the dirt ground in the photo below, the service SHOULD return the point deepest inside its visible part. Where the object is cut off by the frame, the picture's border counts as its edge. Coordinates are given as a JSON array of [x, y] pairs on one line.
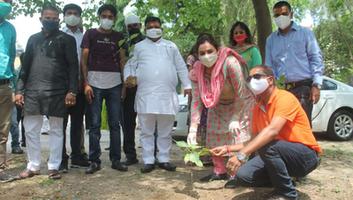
[[332, 180]]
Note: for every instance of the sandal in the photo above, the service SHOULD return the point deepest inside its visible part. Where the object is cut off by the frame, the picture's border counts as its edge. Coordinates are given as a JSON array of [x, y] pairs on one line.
[[54, 174], [28, 174]]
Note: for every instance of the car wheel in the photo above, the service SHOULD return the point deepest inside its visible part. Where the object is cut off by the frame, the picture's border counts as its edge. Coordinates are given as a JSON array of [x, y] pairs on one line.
[[340, 126]]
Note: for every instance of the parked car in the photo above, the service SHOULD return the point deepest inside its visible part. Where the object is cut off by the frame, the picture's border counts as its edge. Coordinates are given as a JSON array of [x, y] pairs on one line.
[[333, 114]]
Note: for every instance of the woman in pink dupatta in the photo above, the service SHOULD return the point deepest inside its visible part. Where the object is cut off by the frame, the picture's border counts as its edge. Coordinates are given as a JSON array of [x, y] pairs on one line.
[[220, 86]]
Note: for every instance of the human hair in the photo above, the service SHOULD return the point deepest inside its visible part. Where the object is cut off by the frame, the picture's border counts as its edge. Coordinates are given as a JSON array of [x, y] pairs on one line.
[[109, 7], [152, 19], [243, 26], [206, 37], [72, 6], [281, 4], [49, 7], [268, 71]]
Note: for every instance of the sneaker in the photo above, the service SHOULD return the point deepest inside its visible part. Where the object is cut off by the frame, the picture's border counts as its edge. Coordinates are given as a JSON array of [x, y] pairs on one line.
[[17, 150], [77, 163], [64, 166]]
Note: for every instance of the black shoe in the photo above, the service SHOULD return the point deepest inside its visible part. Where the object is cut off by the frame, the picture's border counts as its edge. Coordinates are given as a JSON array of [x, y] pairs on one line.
[[77, 163], [93, 167], [64, 166], [119, 166], [129, 162], [147, 168], [214, 177], [17, 150], [167, 166], [23, 144], [231, 184]]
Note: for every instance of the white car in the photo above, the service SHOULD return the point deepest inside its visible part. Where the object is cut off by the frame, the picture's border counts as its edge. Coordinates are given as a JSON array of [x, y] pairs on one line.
[[333, 114]]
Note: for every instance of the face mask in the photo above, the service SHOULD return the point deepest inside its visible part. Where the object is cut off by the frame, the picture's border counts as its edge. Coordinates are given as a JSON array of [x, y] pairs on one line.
[[5, 9], [154, 33], [72, 20], [50, 25], [209, 59], [240, 39], [106, 24], [134, 31], [258, 86], [283, 21]]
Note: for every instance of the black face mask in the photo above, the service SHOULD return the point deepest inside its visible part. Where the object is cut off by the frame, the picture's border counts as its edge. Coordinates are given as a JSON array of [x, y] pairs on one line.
[[134, 31], [50, 25]]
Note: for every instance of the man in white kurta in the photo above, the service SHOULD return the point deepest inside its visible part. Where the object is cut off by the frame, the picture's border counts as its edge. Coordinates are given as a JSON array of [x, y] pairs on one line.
[[156, 63]]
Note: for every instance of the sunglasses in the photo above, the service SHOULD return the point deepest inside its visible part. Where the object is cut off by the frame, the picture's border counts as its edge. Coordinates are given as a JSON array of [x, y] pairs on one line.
[[255, 76]]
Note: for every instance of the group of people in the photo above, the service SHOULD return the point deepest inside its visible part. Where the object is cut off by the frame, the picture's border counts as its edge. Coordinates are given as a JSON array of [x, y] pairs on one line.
[[258, 134]]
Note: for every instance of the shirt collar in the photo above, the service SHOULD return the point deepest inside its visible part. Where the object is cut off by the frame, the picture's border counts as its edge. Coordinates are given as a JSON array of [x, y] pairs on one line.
[[294, 27], [156, 42], [67, 30]]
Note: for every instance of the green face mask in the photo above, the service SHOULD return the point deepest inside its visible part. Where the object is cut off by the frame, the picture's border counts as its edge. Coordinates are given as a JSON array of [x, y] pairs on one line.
[[5, 9]]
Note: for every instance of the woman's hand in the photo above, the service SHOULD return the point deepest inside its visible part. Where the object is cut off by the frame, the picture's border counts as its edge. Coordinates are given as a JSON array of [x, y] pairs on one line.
[[219, 151]]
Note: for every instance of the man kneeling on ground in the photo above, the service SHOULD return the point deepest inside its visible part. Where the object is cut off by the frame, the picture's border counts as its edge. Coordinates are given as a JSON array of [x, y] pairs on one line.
[[282, 139]]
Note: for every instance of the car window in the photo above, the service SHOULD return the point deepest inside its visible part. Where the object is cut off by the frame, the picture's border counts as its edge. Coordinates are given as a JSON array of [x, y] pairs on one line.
[[328, 85]]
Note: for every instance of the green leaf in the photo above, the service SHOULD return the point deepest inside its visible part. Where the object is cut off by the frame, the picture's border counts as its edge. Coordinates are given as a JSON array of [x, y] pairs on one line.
[[194, 157], [187, 158], [182, 144], [204, 152], [199, 163], [194, 147]]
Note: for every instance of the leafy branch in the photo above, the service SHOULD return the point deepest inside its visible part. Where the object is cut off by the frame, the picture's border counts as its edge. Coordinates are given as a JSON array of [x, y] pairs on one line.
[[192, 153]]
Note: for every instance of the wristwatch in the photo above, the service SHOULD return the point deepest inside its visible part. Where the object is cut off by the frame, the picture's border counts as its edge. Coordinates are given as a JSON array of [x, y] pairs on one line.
[[317, 85], [241, 156]]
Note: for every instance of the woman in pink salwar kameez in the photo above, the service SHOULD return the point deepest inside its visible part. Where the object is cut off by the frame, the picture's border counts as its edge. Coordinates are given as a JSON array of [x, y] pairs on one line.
[[220, 86]]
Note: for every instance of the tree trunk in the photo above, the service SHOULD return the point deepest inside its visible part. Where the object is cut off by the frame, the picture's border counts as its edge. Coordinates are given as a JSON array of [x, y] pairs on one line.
[[263, 24]]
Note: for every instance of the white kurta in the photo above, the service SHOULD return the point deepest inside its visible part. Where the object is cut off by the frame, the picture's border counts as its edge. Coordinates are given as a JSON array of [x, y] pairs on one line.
[[157, 66]]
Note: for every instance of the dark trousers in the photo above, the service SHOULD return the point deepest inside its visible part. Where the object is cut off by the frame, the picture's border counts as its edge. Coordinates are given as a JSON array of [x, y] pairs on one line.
[[129, 124], [112, 98], [76, 130], [275, 164], [14, 128], [303, 95]]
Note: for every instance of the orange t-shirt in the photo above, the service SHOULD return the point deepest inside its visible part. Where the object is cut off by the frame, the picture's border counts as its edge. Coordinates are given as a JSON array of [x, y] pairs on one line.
[[296, 129]]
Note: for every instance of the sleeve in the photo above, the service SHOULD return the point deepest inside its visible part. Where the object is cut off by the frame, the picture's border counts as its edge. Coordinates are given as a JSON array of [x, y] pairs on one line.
[[244, 100], [26, 65], [196, 104], [72, 61], [256, 58], [268, 56], [131, 65], [85, 44], [283, 110], [181, 69], [315, 58]]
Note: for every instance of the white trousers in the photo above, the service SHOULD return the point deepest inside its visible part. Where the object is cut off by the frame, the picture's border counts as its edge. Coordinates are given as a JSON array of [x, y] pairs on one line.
[[164, 139], [45, 126], [33, 125]]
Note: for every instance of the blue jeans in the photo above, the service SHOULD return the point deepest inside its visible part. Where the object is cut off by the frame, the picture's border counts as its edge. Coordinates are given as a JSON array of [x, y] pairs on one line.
[[112, 98], [14, 130], [275, 164]]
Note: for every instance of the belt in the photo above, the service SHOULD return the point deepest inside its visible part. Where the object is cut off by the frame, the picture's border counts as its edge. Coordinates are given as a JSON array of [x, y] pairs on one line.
[[291, 85], [4, 81]]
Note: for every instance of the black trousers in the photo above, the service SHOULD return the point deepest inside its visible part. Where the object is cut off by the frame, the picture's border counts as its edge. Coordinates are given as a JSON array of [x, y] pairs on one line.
[[76, 130], [303, 95], [129, 124]]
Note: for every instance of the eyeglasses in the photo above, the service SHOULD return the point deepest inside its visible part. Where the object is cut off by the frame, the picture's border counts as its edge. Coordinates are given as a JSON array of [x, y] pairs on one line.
[[255, 76]]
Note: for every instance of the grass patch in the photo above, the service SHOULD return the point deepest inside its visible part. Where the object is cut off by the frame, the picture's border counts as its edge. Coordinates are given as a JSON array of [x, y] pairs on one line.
[[46, 182]]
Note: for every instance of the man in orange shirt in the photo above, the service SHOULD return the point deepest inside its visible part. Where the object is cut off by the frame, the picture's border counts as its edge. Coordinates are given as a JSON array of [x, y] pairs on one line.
[[282, 138]]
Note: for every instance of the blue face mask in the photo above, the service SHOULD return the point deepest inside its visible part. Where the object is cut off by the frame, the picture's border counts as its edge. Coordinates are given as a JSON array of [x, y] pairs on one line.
[[50, 25], [5, 9]]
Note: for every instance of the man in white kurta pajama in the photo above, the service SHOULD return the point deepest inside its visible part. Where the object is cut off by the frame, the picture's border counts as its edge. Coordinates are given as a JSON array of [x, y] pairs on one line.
[[156, 63]]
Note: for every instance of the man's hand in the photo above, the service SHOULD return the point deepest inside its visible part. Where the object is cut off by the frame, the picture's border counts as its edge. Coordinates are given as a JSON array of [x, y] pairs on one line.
[[89, 93], [131, 81], [219, 151], [315, 94], [70, 99], [19, 100], [233, 165], [187, 92]]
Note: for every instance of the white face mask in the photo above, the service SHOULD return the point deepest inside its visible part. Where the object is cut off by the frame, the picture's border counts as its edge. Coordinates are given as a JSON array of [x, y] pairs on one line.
[[106, 24], [72, 20], [258, 86], [154, 33], [209, 59], [283, 21]]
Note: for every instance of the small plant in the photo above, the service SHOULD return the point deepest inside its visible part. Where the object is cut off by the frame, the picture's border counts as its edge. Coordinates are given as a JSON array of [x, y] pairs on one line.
[[192, 153]]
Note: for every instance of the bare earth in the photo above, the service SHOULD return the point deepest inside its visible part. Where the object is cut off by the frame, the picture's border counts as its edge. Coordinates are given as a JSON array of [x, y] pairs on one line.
[[332, 180]]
